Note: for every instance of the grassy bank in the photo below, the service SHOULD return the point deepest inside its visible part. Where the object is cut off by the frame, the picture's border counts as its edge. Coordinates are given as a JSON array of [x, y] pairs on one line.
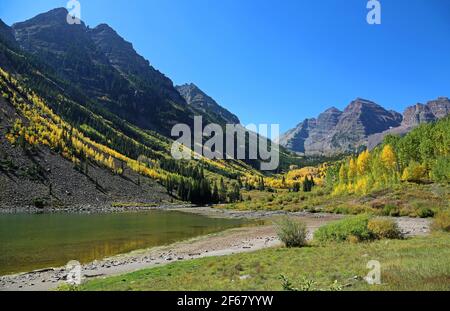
[[403, 200], [413, 264]]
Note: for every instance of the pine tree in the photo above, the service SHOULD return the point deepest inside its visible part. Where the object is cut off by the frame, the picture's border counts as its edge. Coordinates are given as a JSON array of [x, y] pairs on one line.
[[215, 194], [181, 189], [222, 191], [308, 184], [261, 185]]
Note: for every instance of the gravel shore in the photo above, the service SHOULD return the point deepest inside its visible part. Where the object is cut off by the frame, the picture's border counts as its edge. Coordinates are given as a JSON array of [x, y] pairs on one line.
[[91, 209], [246, 239]]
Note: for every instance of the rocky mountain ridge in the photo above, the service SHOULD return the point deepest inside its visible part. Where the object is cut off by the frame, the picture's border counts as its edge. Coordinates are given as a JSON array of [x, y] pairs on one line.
[[108, 70], [205, 105], [363, 123]]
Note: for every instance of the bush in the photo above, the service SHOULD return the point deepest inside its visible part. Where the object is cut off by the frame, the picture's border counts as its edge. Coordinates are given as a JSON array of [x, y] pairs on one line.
[[354, 228], [415, 172], [391, 210], [292, 233], [425, 212], [384, 228], [442, 221]]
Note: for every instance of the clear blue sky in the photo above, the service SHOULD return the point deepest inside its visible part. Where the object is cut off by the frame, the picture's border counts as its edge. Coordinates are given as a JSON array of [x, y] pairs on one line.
[[282, 61]]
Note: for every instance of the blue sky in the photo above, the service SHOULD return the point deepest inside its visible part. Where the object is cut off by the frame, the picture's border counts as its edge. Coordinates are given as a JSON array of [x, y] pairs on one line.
[[282, 61]]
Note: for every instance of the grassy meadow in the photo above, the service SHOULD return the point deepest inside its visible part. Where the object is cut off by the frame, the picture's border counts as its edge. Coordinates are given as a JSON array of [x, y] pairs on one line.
[[406, 199], [419, 263]]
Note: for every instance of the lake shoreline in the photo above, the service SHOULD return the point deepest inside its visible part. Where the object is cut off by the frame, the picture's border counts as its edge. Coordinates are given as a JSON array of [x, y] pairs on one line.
[[231, 241], [89, 209]]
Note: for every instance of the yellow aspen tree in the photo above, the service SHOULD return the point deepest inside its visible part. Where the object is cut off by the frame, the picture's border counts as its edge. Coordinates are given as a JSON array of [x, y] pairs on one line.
[[352, 170], [110, 163], [363, 162], [342, 174], [388, 157]]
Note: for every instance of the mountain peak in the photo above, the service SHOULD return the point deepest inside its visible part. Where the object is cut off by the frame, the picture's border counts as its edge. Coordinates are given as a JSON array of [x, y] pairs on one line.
[[56, 12], [105, 27], [6, 32], [332, 110], [53, 17], [336, 131], [3, 24], [189, 85], [420, 113], [359, 103], [201, 103]]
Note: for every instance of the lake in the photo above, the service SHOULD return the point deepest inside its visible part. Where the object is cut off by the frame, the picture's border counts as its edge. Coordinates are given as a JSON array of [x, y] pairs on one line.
[[34, 241]]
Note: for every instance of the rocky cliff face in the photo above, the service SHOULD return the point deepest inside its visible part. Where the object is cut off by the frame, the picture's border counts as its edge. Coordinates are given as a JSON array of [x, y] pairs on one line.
[[6, 39], [362, 123], [439, 107], [414, 116], [108, 71], [105, 67], [122, 56], [432, 111], [6, 33], [205, 105], [335, 131], [363, 117], [295, 139]]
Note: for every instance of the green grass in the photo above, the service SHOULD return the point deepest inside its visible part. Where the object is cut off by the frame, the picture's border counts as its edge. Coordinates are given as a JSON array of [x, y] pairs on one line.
[[414, 264], [342, 230], [401, 200]]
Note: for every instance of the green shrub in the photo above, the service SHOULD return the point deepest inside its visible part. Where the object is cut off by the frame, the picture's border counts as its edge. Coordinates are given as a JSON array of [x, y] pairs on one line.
[[415, 172], [425, 212], [391, 210], [342, 210], [442, 221], [291, 232], [354, 227], [384, 228], [307, 285]]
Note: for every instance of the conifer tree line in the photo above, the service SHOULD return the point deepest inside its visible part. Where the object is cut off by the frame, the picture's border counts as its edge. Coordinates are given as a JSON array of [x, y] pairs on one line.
[[306, 185], [88, 139], [189, 184], [202, 190]]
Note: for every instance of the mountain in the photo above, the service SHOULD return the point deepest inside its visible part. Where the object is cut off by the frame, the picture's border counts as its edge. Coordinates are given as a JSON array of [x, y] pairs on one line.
[[414, 116], [107, 69], [362, 123], [85, 120], [6, 32], [205, 105], [336, 131], [432, 111]]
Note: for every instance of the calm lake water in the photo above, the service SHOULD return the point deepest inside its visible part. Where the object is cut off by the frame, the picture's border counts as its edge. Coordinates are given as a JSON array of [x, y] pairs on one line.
[[29, 242]]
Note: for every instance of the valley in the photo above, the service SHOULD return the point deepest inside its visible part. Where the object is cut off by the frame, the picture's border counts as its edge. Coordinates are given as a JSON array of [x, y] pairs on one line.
[[87, 173]]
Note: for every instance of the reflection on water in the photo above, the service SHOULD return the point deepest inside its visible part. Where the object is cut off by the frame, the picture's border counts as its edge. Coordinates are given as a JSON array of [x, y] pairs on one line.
[[30, 242]]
